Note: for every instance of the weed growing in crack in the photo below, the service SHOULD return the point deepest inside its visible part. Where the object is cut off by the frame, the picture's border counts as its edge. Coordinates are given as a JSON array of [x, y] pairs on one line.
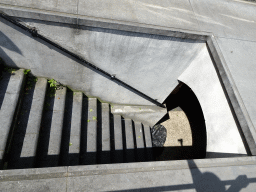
[[26, 71], [54, 85], [9, 70]]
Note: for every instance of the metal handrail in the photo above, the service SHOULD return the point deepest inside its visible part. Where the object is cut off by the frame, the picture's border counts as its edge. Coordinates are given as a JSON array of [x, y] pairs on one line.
[[34, 33]]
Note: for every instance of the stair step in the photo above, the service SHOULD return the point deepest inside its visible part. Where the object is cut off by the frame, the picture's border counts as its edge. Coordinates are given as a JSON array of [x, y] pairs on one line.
[[148, 142], [129, 137], [33, 128], [118, 138], [91, 151], [24, 146], [105, 157], [63, 128], [139, 142], [75, 131], [56, 126], [11, 86], [51, 129]]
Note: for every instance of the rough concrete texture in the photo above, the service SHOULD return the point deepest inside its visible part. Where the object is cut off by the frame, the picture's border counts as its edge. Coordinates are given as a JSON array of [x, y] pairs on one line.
[[227, 174], [148, 115], [222, 131], [178, 129]]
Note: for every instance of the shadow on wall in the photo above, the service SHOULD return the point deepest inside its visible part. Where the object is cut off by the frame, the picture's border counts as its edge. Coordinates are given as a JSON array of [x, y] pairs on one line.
[[203, 181], [6, 42]]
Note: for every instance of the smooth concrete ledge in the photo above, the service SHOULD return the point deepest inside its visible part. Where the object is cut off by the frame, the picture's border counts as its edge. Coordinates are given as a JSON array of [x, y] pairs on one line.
[[146, 176], [109, 169], [148, 115], [74, 19], [239, 112]]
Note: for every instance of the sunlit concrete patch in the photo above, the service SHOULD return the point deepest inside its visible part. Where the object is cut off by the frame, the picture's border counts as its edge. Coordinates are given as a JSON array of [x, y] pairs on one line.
[[178, 129], [148, 115], [222, 132]]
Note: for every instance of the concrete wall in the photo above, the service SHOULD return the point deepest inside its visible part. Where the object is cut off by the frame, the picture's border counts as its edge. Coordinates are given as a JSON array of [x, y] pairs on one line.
[[222, 131], [149, 63]]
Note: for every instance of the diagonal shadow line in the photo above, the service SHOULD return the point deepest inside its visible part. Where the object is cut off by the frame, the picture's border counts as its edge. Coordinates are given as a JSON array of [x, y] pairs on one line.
[[7, 43]]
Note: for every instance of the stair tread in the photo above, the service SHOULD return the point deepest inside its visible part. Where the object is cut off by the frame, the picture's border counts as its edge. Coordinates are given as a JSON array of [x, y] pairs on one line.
[[56, 125], [139, 135], [148, 139], [75, 129], [105, 127], [118, 138], [129, 134], [92, 125], [33, 126], [9, 103]]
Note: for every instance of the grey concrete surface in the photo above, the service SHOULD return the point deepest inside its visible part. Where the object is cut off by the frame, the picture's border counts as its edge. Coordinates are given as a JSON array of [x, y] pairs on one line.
[[34, 122], [129, 134], [229, 20], [9, 104], [225, 18], [137, 59], [75, 130], [91, 147], [232, 94], [105, 124], [57, 122], [222, 132], [148, 115], [23, 148], [92, 126], [58, 184], [148, 138], [239, 53], [178, 14], [105, 127], [118, 132], [139, 135], [67, 6], [227, 174]]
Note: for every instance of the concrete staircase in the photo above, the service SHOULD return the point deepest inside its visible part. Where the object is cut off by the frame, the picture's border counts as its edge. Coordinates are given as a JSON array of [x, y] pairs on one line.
[[43, 126]]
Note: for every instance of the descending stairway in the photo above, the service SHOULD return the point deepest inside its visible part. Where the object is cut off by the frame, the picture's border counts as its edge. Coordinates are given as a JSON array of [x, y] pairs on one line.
[[42, 127]]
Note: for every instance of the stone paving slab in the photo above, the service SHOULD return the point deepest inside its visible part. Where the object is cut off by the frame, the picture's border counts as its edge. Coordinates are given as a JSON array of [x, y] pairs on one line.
[[191, 175]]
